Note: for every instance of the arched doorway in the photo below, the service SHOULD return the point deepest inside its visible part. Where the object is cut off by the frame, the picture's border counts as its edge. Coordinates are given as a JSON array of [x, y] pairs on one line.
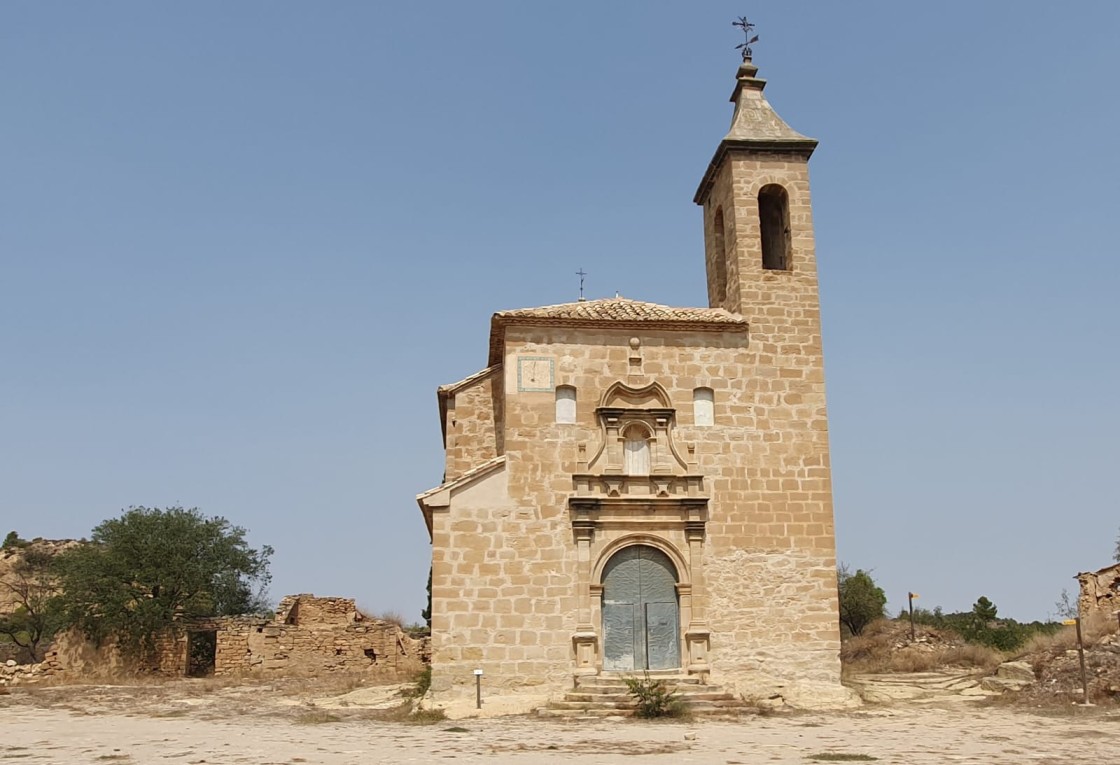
[[641, 618]]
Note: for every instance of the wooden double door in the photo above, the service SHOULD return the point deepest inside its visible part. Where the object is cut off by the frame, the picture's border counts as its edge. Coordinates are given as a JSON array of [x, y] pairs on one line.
[[641, 615]]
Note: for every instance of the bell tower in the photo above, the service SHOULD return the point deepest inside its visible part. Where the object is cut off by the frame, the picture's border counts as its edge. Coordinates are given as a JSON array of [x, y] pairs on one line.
[[758, 224], [761, 266]]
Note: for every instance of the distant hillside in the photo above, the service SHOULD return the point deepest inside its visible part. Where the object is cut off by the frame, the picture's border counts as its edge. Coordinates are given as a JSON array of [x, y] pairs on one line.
[[12, 555]]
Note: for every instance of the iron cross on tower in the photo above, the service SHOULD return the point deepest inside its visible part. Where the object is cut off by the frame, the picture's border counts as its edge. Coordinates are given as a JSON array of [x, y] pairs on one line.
[[581, 273], [748, 34]]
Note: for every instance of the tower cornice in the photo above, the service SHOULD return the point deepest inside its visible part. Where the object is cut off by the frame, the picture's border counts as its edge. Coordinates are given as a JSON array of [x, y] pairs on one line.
[[802, 147]]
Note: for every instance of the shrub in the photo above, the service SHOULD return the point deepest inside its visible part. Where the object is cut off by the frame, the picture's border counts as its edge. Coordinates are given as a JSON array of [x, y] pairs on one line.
[[423, 681], [13, 542], [861, 600], [655, 698], [980, 626], [426, 717]]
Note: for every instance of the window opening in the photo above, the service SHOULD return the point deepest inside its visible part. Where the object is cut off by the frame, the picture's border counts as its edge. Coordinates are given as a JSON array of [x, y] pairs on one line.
[[636, 452], [719, 250], [773, 219], [565, 404], [703, 406]]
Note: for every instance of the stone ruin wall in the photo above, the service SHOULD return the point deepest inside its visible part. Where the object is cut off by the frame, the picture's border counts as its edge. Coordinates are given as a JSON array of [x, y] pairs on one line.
[[1100, 593], [312, 636], [309, 636]]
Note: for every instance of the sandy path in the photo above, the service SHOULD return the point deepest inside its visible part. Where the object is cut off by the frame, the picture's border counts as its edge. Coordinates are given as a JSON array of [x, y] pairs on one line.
[[913, 736]]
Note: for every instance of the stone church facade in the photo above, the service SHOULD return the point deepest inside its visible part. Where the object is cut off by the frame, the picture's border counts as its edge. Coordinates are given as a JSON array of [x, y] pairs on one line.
[[634, 487]]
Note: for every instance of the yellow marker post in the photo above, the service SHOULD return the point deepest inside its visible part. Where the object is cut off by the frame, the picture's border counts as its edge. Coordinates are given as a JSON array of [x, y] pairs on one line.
[[1081, 657]]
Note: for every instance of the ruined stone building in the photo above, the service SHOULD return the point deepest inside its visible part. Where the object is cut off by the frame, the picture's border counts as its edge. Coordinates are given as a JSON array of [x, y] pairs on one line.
[[1099, 595], [308, 636], [632, 486]]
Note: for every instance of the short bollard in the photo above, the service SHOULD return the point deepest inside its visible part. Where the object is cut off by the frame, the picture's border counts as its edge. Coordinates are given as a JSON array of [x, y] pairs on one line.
[[478, 689]]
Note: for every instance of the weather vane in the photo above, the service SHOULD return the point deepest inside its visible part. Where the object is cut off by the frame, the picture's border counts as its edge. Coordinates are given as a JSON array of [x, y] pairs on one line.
[[748, 34]]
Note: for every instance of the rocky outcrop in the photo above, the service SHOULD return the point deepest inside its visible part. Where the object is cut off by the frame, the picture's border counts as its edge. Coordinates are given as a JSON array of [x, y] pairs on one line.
[[1010, 676]]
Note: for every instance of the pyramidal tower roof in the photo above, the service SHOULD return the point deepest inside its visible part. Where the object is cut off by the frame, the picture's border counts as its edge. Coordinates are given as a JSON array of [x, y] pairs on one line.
[[755, 119], [755, 126]]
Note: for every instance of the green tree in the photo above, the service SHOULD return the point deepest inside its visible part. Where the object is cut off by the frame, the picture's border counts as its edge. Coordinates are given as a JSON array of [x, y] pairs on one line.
[[984, 610], [861, 600], [144, 571], [12, 541], [426, 614], [30, 586]]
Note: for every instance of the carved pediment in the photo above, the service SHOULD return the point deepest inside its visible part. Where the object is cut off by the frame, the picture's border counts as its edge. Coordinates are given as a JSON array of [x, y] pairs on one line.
[[621, 396], [636, 434]]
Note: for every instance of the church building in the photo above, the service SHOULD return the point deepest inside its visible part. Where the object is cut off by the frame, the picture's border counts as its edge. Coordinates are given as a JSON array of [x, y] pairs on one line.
[[635, 487]]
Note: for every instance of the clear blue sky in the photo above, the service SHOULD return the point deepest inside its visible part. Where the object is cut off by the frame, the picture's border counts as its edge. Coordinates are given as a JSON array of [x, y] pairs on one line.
[[242, 243]]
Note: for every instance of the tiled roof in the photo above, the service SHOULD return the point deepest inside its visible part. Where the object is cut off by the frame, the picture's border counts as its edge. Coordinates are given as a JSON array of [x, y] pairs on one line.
[[618, 309], [614, 313], [476, 472], [466, 382]]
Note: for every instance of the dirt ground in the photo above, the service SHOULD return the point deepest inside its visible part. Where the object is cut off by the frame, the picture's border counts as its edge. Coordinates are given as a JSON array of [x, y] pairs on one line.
[[206, 722]]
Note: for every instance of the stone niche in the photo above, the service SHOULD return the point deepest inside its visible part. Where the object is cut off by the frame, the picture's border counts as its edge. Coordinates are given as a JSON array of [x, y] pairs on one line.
[[637, 490]]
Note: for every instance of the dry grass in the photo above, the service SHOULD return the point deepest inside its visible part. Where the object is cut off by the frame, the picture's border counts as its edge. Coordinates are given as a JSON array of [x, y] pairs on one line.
[[1092, 630], [876, 652], [392, 617], [322, 685], [317, 717], [971, 655]]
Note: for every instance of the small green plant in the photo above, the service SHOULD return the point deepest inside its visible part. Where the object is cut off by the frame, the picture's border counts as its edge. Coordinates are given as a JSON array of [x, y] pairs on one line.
[[423, 681], [655, 698], [426, 717]]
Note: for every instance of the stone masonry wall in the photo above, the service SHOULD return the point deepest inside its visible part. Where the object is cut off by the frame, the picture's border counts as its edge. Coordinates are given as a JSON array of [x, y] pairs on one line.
[[367, 647], [503, 597], [1100, 592], [471, 434], [317, 636], [508, 566], [773, 604]]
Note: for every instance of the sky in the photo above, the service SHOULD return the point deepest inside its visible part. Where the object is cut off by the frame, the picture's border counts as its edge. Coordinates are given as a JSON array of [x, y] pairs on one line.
[[241, 244]]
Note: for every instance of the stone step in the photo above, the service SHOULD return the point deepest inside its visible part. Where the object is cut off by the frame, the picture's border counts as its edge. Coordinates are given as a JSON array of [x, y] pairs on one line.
[[621, 687], [607, 695], [690, 696], [613, 704], [622, 678], [580, 714], [583, 710]]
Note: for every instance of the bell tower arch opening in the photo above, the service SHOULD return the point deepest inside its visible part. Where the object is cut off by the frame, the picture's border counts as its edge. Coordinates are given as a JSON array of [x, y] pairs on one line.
[[716, 246], [773, 223]]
